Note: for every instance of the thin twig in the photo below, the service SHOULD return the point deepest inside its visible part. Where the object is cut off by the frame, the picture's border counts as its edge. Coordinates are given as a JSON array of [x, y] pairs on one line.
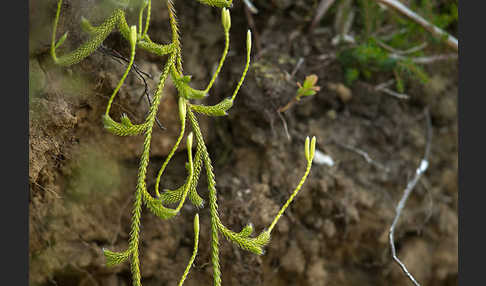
[[394, 93], [385, 84], [406, 193], [321, 10], [284, 122], [391, 35], [426, 60], [383, 87], [365, 155], [399, 52], [116, 54], [47, 190], [288, 105], [342, 23], [404, 10], [297, 66], [250, 6], [141, 74], [288, 76]]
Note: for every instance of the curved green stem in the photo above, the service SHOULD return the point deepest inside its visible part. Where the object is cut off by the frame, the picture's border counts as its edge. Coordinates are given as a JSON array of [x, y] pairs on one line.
[[174, 196], [54, 30], [175, 35], [147, 19], [140, 17], [248, 52], [221, 61], [133, 43], [191, 174], [291, 198], [194, 252], [172, 151]]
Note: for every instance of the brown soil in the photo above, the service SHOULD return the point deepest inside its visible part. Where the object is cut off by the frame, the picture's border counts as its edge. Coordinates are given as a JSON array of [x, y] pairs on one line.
[[82, 178]]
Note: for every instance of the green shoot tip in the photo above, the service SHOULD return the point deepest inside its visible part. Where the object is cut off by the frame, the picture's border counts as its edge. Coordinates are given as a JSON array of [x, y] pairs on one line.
[[226, 19], [248, 40]]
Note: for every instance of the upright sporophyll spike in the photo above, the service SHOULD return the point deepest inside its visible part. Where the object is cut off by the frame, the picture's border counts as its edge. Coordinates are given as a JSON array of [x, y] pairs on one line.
[[226, 22], [226, 19], [248, 40], [312, 148], [133, 35], [182, 108], [194, 252], [189, 141], [307, 148]]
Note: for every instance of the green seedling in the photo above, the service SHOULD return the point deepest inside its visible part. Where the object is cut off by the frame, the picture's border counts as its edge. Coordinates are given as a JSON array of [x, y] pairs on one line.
[[308, 88]]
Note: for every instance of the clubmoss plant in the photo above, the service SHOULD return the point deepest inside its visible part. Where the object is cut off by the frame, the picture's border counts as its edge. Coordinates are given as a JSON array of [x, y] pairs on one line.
[[137, 37]]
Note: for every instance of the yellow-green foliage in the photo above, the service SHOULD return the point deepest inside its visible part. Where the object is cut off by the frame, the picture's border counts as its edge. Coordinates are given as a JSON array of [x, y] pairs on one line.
[[137, 37]]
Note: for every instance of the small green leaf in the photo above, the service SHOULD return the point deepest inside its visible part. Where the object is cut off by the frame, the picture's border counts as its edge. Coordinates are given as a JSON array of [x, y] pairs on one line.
[[308, 93], [125, 120], [115, 258], [247, 230], [61, 40], [311, 79]]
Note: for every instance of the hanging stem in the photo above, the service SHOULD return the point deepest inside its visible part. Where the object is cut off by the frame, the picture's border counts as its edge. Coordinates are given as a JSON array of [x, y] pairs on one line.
[[213, 204], [142, 173]]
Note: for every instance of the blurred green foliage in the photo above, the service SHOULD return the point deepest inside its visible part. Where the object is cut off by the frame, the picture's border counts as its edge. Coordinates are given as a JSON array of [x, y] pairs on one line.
[[374, 51]]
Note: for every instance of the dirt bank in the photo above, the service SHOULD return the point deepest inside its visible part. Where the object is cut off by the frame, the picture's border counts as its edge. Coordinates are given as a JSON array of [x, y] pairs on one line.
[[82, 179]]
